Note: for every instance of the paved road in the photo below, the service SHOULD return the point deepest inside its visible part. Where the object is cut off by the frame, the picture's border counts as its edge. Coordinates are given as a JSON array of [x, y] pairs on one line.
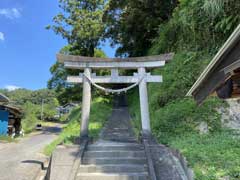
[[22, 160]]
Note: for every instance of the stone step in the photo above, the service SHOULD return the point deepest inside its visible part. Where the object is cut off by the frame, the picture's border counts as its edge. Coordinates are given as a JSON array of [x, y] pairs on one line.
[[114, 129], [112, 132], [118, 130], [112, 168], [116, 160], [115, 148], [119, 135], [119, 154], [120, 139], [112, 176]]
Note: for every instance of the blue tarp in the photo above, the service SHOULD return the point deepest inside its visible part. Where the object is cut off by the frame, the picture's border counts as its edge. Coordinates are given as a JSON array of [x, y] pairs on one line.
[[3, 122]]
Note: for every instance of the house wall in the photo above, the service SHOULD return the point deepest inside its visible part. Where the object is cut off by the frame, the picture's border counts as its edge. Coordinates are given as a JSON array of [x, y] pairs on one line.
[[3, 122]]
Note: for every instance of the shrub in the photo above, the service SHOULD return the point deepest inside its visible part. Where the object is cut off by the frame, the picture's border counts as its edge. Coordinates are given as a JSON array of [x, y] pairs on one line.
[[30, 120], [100, 109]]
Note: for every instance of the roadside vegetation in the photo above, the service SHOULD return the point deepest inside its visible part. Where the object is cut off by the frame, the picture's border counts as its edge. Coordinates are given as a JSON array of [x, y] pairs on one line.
[[6, 139], [100, 111], [212, 156], [195, 32], [30, 102]]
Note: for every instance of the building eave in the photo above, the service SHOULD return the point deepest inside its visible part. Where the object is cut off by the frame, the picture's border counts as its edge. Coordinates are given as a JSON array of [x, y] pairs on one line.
[[232, 40], [3, 98]]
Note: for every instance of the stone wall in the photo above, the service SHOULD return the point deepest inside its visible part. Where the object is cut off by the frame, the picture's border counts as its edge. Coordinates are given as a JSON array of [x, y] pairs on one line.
[[230, 115]]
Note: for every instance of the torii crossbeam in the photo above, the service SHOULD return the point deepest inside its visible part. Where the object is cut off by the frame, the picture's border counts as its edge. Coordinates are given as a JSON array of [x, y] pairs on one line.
[[141, 79]]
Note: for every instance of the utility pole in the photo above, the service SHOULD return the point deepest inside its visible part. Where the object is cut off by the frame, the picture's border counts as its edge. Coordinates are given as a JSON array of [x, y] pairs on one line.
[[42, 110]]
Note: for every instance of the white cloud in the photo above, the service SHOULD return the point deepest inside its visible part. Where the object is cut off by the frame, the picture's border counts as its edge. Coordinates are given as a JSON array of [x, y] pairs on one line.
[[11, 87], [12, 13], [2, 38]]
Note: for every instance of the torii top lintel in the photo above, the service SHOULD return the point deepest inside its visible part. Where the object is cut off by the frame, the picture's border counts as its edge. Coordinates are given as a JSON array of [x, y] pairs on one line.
[[81, 62]]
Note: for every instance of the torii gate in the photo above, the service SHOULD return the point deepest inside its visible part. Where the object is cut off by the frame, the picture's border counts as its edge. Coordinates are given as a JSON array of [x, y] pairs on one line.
[[141, 79]]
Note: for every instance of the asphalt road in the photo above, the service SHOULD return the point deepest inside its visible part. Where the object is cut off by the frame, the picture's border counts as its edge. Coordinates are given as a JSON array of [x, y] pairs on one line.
[[22, 160]]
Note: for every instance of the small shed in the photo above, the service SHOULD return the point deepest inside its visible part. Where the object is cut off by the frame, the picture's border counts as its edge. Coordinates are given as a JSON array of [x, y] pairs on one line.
[[10, 117], [66, 108], [222, 75], [3, 98]]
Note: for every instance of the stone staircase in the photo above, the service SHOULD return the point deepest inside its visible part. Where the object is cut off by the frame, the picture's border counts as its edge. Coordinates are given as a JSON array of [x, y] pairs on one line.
[[117, 155], [113, 161]]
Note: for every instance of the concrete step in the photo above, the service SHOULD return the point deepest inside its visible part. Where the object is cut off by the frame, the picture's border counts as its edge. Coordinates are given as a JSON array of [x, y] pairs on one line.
[[119, 154], [118, 130], [115, 160], [112, 168], [113, 138], [115, 148], [112, 176], [120, 135], [126, 133]]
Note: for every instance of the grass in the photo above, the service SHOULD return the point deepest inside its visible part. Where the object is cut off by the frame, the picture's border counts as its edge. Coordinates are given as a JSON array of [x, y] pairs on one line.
[[213, 156], [100, 110], [7, 139]]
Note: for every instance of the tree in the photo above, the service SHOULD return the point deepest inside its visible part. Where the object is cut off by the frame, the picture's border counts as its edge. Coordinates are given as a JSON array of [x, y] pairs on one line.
[[81, 24], [198, 25], [67, 92], [133, 23]]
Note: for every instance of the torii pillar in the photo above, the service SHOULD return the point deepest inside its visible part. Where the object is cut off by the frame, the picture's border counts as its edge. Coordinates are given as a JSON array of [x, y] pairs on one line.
[[144, 107], [86, 104]]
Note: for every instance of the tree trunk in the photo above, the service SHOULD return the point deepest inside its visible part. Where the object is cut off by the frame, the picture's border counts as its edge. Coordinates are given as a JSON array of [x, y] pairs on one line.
[[91, 50]]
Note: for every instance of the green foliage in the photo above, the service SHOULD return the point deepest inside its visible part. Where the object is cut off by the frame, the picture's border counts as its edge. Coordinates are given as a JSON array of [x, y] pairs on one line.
[[30, 116], [21, 96], [68, 134], [49, 109], [212, 156], [174, 122], [80, 22], [66, 92], [197, 25], [132, 24], [197, 29], [179, 75], [178, 117], [100, 109], [6, 139], [214, 7], [182, 117]]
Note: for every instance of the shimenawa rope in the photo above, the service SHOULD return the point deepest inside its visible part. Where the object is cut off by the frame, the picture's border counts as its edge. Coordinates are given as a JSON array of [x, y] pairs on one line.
[[108, 90]]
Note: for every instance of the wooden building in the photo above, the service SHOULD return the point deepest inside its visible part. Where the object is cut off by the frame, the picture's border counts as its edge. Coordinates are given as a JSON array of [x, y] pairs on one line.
[[3, 98], [10, 118], [222, 75], [66, 108]]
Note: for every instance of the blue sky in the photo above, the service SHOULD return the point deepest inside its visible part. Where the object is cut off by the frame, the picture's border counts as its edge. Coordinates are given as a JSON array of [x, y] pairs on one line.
[[27, 49]]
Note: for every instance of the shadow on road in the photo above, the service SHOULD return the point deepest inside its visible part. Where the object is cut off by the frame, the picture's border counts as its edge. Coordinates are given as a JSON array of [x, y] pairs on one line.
[[52, 130], [35, 162]]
